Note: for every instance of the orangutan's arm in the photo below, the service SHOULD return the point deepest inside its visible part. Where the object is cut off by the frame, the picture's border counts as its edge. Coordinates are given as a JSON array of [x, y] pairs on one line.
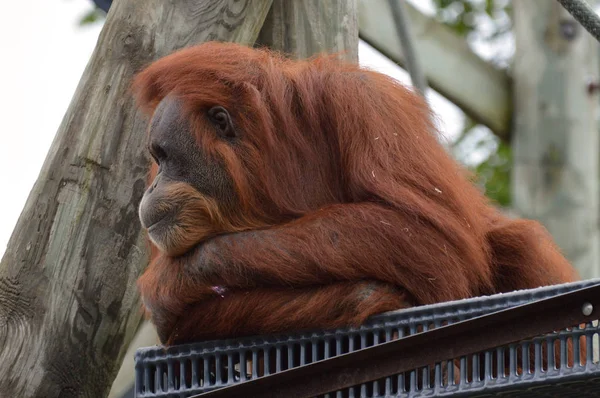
[[279, 310], [434, 260]]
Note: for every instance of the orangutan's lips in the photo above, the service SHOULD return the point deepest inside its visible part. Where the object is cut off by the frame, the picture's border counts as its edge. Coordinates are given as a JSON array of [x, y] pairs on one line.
[[220, 290], [160, 218]]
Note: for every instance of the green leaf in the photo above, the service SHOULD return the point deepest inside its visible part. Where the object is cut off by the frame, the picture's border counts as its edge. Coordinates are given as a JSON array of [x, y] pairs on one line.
[[92, 16], [494, 175], [461, 14], [489, 7]]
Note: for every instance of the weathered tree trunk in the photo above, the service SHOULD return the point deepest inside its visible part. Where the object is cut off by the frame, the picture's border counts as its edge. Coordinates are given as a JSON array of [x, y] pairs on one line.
[[303, 28], [68, 303], [555, 141]]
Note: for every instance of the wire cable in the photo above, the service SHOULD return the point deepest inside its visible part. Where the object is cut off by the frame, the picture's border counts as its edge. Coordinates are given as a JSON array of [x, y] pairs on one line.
[[584, 14], [405, 36]]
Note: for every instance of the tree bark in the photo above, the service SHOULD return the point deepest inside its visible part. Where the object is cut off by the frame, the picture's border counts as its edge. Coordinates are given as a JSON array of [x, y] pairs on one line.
[[68, 302], [303, 28], [555, 143]]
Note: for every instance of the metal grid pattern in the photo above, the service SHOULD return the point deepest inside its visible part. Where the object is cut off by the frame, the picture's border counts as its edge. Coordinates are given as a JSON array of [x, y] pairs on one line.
[[186, 370]]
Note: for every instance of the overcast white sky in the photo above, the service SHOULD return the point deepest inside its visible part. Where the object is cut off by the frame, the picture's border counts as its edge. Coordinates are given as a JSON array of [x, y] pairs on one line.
[[44, 52]]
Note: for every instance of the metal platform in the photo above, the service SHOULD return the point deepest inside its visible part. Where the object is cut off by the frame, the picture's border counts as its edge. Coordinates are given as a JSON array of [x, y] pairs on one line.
[[187, 370]]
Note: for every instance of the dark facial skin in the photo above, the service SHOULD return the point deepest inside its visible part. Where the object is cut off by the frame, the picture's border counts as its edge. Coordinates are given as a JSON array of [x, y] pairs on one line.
[[185, 174]]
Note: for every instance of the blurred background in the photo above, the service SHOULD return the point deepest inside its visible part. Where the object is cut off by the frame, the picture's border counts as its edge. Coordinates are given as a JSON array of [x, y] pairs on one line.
[[514, 85], [516, 102]]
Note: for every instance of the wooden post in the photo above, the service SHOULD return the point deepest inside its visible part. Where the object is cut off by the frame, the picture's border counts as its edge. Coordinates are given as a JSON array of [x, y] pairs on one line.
[[68, 303], [555, 142], [303, 28]]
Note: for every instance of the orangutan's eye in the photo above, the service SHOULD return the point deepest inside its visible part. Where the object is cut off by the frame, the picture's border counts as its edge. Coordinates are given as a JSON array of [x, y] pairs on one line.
[[221, 119]]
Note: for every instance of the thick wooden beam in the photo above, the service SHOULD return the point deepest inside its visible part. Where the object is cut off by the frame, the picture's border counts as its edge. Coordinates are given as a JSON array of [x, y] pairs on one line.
[[555, 143], [68, 302], [480, 90], [303, 28]]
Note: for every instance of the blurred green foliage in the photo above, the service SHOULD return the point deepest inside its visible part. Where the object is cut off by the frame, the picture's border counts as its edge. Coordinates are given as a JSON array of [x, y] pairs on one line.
[[484, 24], [494, 175], [94, 15], [465, 16]]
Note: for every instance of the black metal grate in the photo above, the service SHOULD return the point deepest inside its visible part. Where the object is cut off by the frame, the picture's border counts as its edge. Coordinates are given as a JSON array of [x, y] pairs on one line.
[[186, 370]]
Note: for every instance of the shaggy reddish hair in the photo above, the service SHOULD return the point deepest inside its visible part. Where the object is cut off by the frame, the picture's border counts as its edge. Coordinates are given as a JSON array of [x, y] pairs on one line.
[[344, 188]]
